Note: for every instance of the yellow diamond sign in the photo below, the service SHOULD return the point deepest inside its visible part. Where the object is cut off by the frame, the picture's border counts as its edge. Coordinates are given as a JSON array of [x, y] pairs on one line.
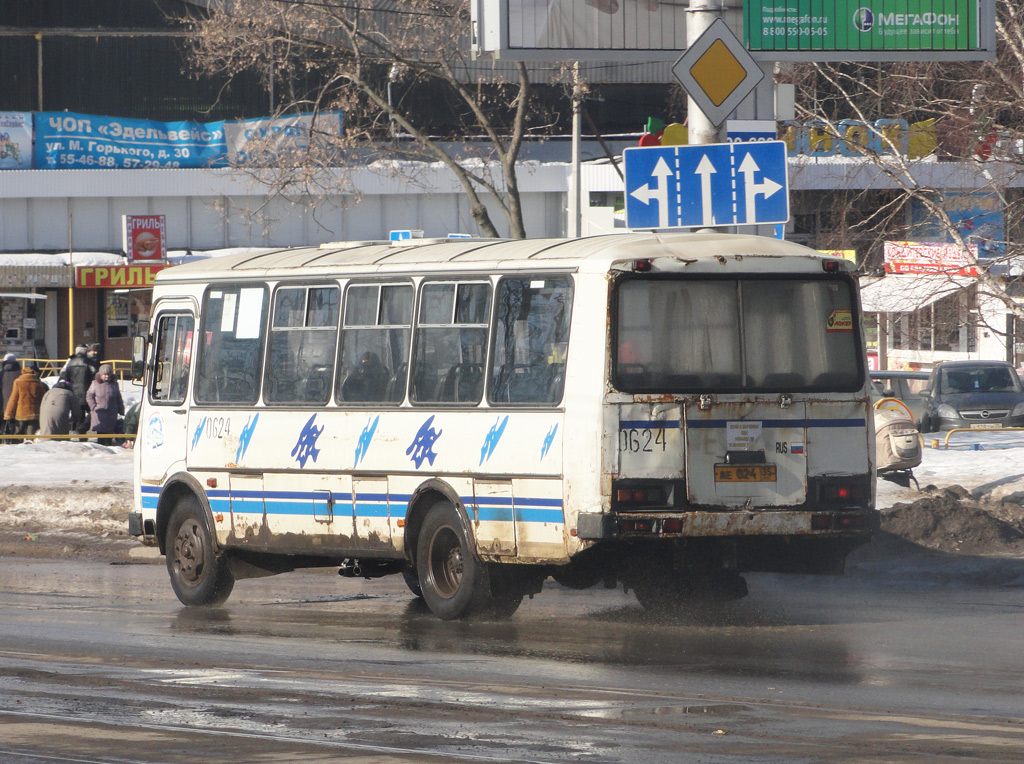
[[717, 72]]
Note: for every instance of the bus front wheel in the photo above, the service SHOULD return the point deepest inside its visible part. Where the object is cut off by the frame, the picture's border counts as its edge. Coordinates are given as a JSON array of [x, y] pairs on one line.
[[199, 576], [453, 582]]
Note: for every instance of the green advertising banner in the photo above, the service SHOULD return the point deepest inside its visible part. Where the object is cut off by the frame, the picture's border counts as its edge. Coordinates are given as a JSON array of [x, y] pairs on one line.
[[861, 25]]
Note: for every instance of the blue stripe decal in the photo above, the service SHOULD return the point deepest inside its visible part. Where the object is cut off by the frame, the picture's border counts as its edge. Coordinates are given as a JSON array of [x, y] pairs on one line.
[[649, 424], [220, 505], [525, 515], [500, 509], [712, 424], [522, 515], [493, 514], [371, 510], [525, 502], [375, 505]]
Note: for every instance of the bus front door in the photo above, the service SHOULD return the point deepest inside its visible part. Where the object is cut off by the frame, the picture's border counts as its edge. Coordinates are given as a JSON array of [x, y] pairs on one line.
[[163, 430]]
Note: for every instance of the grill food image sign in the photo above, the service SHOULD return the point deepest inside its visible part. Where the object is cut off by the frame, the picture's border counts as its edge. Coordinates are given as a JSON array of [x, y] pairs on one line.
[[862, 25]]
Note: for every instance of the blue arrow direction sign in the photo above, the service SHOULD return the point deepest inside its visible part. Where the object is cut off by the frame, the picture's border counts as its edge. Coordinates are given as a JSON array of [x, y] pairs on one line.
[[719, 184]]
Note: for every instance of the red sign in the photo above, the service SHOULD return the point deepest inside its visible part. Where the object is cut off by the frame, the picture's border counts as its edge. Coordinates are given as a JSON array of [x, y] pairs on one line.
[[116, 276], [913, 257], [145, 237]]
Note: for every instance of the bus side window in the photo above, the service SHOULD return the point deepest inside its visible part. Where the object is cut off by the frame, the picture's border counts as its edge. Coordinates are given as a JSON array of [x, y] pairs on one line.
[[451, 342], [375, 336], [531, 335], [172, 358], [303, 336], [231, 351]]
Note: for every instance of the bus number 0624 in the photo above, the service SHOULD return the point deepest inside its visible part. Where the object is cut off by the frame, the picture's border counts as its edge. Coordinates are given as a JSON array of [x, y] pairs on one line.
[[635, 441]]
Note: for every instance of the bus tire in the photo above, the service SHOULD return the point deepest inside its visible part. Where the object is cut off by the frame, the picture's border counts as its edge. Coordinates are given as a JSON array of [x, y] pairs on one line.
[[506, 591], [453, 582], [199, 576], [413, 582]]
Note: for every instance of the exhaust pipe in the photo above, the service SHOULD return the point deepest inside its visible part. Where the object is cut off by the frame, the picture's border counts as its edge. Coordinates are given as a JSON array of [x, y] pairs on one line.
[[354, 568], [350, 568]]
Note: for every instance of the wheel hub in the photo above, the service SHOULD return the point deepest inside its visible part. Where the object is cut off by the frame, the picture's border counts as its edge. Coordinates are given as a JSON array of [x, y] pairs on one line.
[[189, 554]]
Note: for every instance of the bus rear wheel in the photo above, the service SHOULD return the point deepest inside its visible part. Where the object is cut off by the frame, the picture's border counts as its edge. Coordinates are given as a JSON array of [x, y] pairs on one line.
[[199, 577], [454, 583]]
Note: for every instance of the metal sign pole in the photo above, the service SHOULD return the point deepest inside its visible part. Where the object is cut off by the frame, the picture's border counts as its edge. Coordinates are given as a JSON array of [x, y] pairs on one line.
[[700, 129]]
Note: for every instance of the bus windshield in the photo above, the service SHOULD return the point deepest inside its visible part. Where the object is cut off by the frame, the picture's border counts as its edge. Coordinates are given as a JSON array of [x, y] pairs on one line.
[[750, 335]]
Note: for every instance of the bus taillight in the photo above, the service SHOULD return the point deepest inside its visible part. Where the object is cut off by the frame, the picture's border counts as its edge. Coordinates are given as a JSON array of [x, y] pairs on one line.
[[641, 496]]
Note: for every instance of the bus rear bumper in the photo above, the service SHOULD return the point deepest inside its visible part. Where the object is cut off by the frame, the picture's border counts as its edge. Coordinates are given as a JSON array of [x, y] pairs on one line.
[[726, 523]]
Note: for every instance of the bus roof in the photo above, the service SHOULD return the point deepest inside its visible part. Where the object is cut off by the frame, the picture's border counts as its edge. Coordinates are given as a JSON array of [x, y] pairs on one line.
[[597, 253]]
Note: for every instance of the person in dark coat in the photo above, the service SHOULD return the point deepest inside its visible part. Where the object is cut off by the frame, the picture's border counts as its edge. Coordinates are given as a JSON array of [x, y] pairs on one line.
[[10, 370], [55, 410], [80, 374], [105, 402], [23, 405], [92, 357]]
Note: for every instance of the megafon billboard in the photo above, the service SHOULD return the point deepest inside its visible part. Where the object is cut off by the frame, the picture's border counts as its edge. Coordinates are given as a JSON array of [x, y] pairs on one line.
[[870, 30]]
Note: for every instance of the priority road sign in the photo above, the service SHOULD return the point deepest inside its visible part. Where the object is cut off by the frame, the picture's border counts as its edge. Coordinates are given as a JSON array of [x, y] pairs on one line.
[[719, 184], [717, 72]]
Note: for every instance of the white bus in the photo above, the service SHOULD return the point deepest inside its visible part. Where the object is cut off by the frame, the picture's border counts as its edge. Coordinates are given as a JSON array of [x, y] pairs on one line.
[[660, 411]]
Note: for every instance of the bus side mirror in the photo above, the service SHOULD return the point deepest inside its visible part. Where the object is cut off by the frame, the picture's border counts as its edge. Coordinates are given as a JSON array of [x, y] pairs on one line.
[[138, 356]]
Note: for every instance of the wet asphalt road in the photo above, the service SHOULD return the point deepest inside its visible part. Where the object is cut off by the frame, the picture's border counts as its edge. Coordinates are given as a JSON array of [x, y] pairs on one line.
[[100, 664]]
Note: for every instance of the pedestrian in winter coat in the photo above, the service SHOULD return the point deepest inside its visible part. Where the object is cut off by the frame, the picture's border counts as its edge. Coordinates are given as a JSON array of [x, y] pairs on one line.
[[80, 374], [55, 410], [23, 405], [92, 357], [10, 370], [105, 402]]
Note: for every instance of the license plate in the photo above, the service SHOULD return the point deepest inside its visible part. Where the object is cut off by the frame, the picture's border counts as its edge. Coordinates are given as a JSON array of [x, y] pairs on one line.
[[745, 473], [987, 426]]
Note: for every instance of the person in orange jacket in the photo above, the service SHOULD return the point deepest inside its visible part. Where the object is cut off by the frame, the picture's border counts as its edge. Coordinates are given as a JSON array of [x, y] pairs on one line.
[[23, 405]]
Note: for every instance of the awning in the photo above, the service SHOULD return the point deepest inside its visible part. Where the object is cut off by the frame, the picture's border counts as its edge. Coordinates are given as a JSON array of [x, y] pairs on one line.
[[22, 295], [905, 294]]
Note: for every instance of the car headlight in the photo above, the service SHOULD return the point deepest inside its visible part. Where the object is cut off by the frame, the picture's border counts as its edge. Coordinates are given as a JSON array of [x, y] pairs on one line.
[[1018, 410], [947, 412]]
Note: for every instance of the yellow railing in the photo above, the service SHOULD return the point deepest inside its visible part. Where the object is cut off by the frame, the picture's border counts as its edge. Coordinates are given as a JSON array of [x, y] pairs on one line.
[[50, 367], [975, 430]]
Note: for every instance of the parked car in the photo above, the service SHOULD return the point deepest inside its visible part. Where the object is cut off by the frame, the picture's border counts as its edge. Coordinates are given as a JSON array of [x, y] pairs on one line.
[[976, 394], [907, 386]]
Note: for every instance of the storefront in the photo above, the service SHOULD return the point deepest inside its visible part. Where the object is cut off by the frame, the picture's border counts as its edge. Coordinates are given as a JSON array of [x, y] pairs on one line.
[[112, 304], [33, 301]]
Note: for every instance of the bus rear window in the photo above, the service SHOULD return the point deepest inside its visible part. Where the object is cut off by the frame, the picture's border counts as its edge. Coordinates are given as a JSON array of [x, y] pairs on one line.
[[749, 335]]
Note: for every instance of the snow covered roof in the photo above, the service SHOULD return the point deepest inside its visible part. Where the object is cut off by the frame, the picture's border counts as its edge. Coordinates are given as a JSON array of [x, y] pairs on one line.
[[694, 251], [907, 293]]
